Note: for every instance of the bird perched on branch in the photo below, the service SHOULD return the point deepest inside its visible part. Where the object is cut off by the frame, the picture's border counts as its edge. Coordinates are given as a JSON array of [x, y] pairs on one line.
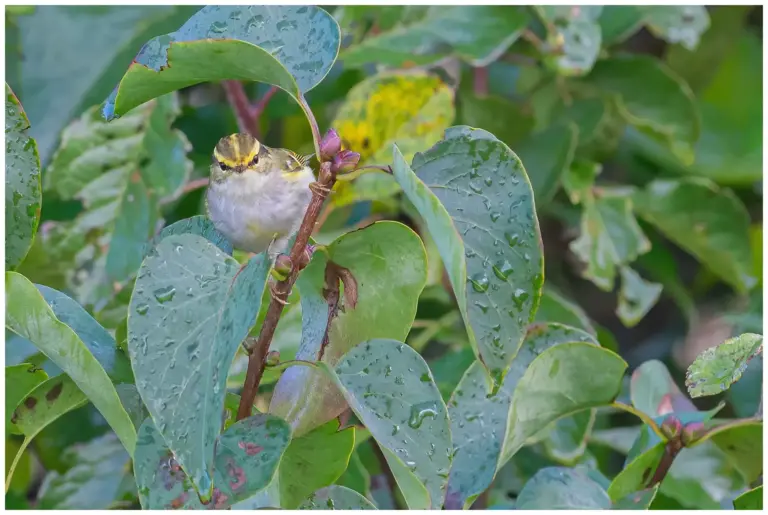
[[257, 195]]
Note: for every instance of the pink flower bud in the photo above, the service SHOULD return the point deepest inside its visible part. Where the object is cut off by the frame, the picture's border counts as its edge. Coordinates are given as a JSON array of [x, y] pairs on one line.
[[671, 427], [346, 161], [330, 145], [692, 432]]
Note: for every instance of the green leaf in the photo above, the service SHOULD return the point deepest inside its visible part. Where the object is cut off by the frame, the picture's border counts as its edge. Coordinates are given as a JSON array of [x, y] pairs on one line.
[[637, 473], [636, 297], [714, 370], [19, 381], [97, 339], [637, 501], [82, 71], [200, 225], [654, 392], [619, 22], [548, 155], [579, 180], [191, 307], [29, 316], [314, 461], [560, 488], [247, 457], [480, 418], [750, 500], [93, 482], [477, 34], [575, 31], [411, 110], [493, 113], [390, 388], [336, 497], [23, 198], [291, 47], [708, 222], [742, 443], [556, 308], [566, 438], [356, 477], [388, 262], [477, 202], [682, 24], [610, 237], [663, 108]]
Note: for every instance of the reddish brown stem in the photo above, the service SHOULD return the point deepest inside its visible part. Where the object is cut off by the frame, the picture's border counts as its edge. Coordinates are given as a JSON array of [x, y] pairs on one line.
[[671, 450], [259, 107], [241, 105], [194, 185], [480, 84], [255, 370]]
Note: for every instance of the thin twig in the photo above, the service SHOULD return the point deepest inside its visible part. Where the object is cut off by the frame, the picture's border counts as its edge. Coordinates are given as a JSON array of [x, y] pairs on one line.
[[241, 105], [194, 185], [258, 108], [671, 450], [255, 369]]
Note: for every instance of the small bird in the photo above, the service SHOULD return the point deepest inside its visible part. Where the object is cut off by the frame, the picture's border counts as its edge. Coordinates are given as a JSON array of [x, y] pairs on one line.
[[257, 195]]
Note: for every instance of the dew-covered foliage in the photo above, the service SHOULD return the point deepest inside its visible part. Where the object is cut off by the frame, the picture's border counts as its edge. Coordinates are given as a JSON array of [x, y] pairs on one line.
[[533, 240]]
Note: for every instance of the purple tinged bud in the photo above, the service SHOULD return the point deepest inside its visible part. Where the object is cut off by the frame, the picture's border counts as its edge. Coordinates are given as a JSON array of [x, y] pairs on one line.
[[272, 359], [346, 161], [692, 432], [671, 427], [330, 145]]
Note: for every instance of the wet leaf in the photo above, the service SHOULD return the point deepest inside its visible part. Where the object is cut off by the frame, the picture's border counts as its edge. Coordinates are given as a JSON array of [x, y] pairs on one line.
[[548, 155], [610, 237], [664, 107], [560, 488], [637, 501], [750, 500], [191, 307], [389, 263], [246, 460], [637, 473], [99, 342], [336, 497], [19, 381], [199, 225], [411, 110], [708, 222], [480, 418], [654, 392], [682, 24], [636, 297], [28, 315], [23, 198], [477, 34], [291, 47], [477, 202], [391, 390], [714, 370], [314, 461], [93, 480]]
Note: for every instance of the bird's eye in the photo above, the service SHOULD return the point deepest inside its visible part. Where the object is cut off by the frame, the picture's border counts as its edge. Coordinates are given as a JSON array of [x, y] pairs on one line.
[[254, 161], [223, 167]]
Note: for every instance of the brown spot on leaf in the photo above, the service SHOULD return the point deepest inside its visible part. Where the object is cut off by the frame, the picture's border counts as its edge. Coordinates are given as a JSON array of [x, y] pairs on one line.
[[54, 392], [30, 402], [15, 416], [219, 499], [251, 449], [179, 501]]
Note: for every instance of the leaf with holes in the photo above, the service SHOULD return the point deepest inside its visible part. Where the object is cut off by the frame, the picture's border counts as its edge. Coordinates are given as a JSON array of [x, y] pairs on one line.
[[390, 388], [336, 497], [191, 307], [477, 202], [610, 237], [717, 368], [28, 315], [560, 488], [479, 418], [23, 198], [682, 24], [709, 222], [246, 460], [388, 262], [314, 461]]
